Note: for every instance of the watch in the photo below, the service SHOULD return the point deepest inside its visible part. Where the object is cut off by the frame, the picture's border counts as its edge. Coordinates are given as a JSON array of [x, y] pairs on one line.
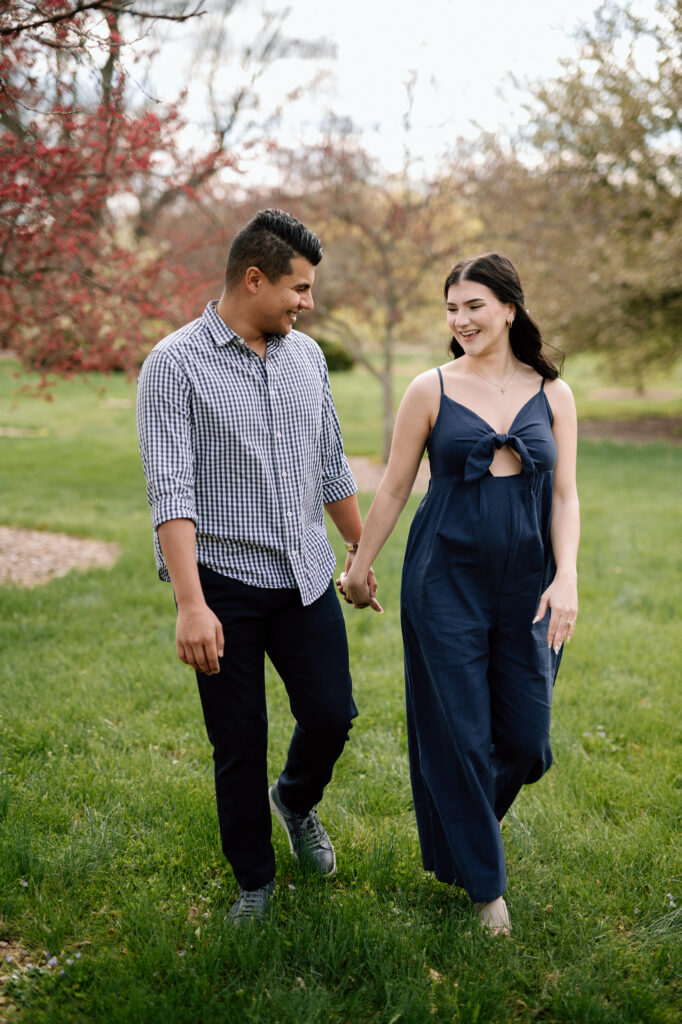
[[352, 545]]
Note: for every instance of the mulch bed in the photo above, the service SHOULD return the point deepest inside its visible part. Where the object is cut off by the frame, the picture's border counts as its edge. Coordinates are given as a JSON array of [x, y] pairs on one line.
[[31, 557]]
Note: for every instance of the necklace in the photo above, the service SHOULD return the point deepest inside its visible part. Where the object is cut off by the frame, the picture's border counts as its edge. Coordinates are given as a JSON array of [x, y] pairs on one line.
[[500, 387]]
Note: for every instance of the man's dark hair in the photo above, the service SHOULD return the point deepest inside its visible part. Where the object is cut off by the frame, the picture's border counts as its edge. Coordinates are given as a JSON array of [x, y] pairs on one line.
[[269, 241]]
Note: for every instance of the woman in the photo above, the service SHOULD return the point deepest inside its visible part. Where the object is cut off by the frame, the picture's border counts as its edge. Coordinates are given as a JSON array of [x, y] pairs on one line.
[[489, 586]]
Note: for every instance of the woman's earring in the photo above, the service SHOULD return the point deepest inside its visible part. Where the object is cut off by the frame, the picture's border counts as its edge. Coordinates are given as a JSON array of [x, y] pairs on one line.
[[510, 322]]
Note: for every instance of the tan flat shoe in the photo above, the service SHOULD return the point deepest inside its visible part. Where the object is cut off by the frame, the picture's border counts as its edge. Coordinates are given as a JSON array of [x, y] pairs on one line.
[[494, 916]]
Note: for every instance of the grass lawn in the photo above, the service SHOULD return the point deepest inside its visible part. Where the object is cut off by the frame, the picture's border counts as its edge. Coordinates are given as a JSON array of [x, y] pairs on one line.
[[112, 883]]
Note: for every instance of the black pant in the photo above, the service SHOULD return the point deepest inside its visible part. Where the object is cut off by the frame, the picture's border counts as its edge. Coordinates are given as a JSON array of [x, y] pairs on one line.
[[308, 647]]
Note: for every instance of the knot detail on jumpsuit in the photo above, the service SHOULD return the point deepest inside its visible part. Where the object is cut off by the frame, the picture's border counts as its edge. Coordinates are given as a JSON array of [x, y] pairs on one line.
[[481, 455]]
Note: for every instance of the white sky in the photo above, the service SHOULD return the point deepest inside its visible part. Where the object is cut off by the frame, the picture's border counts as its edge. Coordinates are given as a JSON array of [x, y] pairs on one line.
[[462, 52]]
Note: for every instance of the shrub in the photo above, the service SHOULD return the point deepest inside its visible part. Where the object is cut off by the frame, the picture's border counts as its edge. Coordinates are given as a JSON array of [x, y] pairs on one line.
[[338, 357]]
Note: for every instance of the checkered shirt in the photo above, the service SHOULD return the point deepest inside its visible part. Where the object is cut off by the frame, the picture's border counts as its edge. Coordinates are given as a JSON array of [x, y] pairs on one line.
[[249, 449]]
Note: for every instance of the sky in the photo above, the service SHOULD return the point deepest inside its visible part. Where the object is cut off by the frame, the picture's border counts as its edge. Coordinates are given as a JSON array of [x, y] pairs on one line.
[[460, 54]]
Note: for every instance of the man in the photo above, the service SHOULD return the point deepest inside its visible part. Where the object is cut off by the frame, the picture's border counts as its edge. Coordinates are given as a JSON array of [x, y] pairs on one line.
[[242, 450]]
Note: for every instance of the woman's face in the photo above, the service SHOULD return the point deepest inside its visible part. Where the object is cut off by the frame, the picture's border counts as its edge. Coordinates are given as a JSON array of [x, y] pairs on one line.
[[476, 316]]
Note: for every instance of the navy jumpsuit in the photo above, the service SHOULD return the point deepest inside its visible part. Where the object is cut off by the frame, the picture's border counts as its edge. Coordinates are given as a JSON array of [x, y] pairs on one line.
[[478, 674]]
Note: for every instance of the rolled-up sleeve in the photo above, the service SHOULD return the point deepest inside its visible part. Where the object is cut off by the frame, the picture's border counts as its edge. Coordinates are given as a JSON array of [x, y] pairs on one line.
[[165, 437], [337, 479]]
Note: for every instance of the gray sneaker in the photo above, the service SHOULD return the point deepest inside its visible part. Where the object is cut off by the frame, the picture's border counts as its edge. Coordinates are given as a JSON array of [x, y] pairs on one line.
[[251, 904], [308, 840]]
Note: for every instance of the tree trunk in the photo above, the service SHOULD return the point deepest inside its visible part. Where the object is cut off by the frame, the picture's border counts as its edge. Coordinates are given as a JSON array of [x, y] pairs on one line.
[[387, 389]]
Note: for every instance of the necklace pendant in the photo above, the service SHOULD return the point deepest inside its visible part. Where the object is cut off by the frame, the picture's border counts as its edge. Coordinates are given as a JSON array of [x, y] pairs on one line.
[[502, 390]]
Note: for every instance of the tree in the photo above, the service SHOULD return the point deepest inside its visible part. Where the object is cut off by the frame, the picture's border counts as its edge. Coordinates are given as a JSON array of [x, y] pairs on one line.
[[594, 206], [390, 239], [74, 291], [89, 169]]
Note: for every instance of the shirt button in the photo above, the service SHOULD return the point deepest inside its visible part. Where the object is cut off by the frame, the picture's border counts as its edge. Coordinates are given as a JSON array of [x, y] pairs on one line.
[[283, 474], [278, 434], [289, 515]]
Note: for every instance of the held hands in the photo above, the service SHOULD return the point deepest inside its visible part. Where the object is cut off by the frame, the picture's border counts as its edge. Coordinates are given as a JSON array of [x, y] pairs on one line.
[[562, 597], [356, 591], [199, 639]]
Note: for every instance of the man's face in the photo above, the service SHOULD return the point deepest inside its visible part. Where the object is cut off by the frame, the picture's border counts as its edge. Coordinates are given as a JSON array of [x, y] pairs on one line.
[[279, 303]]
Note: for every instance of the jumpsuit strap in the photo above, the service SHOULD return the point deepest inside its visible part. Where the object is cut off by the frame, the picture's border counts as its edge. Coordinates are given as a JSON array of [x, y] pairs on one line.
[[442, 391], [542, 386]]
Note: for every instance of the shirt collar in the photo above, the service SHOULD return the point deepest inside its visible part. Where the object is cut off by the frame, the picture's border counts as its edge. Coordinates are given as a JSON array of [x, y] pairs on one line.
[[222, 334]]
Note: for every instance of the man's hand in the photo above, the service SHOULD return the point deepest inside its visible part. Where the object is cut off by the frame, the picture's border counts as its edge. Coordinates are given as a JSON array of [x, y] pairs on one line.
[[199, 639]]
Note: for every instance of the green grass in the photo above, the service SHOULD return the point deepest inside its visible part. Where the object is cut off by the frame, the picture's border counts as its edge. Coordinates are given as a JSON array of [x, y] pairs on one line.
[[109, 850]]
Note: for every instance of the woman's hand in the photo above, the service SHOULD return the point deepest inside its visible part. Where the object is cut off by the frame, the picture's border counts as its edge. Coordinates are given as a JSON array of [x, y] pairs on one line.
[[562, 597], [358, 592]]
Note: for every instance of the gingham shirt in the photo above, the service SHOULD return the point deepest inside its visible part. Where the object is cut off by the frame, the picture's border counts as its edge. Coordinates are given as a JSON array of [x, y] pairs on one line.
[[249, 449]]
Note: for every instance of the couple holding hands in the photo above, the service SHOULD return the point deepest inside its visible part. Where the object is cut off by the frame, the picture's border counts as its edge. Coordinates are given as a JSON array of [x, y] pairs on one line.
[[242, 453]]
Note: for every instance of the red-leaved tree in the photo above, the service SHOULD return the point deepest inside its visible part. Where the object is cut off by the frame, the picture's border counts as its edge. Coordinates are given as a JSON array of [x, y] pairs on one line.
[[79, 289], [94, 173]]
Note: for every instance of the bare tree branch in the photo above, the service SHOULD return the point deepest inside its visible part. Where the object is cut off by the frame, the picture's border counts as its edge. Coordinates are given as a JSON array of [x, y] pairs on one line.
[[83, 6]]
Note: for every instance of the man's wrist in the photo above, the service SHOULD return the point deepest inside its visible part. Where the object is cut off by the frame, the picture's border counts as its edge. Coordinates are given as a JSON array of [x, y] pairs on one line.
[[191, 602]]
